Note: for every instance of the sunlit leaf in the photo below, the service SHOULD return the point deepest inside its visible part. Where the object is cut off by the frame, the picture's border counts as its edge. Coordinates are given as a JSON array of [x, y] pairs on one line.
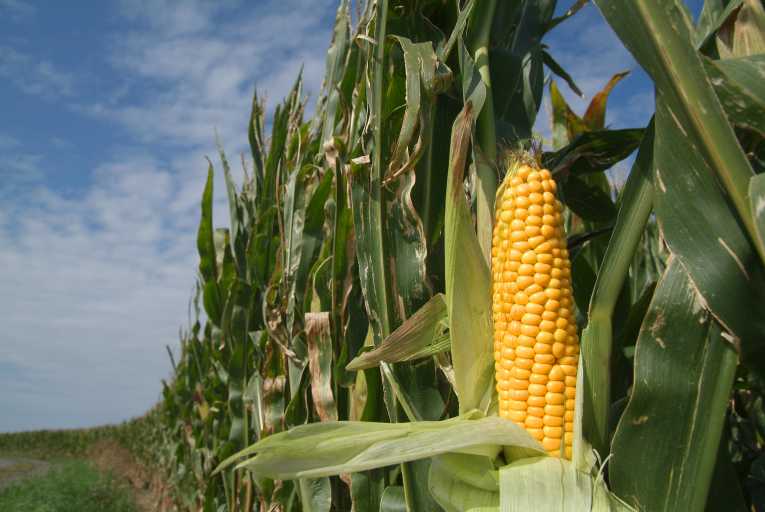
[[331, 448], [684, 370], [420, 335], [467, 284], [595, 116], [738, 84], [551, 483]]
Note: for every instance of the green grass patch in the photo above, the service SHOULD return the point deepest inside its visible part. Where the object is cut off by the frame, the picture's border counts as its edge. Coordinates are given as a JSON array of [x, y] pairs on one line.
[[72, 486]]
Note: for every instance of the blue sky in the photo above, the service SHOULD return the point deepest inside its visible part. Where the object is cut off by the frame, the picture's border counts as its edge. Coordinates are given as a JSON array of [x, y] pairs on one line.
[[106, 112]]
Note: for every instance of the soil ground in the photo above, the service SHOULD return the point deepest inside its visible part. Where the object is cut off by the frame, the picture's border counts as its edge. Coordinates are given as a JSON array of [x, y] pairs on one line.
[[148, 489]]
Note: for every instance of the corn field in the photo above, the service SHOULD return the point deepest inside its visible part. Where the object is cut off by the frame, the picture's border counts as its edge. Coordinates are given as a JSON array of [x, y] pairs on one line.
[[348, 340]]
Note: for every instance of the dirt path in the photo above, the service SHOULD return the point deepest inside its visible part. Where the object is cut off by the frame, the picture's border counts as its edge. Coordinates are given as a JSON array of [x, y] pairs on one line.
[[148, 489], [13, 469]]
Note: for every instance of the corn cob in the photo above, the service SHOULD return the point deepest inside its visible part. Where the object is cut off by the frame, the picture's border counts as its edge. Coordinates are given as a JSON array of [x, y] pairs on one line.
[[536, 348]]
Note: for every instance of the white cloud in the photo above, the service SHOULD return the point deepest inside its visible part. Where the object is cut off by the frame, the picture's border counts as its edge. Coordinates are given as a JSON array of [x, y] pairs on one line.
[[18, 168], [93, 287], [172, 17], [34, 77], [20, 165], [201, 61], [17, 9]]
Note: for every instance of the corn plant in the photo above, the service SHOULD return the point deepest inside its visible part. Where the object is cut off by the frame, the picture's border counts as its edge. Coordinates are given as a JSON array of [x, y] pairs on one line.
[[341, 351]]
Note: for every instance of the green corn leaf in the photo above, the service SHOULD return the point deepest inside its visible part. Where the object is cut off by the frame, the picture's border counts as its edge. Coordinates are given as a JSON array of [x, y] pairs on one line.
[[257, 147], [562, 118], [207, 254], [578, 4], [556, 68], [658, 34], [293, 221], [336, 61], [684, 370], [714, 14], [420, 65], [738, 84], [593, 151], [393, 499], [315, 494], [464, 483], [444, 51], [597, 342], [707, 237], [236, 217], [588, 201], [367, 488], [420, 335]]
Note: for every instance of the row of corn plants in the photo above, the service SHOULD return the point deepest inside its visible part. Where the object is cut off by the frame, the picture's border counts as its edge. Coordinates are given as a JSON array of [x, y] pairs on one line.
[[417, 306], [140, 435]]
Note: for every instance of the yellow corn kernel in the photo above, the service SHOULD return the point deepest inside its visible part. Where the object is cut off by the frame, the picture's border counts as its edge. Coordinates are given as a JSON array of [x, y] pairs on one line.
[[536, 348], [538, 378], [535, 411], [533, 422], [551, 444], [536, 433], [536, 401]]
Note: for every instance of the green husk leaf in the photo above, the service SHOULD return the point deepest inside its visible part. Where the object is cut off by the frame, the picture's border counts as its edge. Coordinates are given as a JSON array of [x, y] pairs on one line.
[[552, 483], [467, 284], [421, 335], [331, 448]]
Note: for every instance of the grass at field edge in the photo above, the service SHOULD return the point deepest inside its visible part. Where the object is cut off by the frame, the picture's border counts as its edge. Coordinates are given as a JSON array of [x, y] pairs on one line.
[[71, 486]]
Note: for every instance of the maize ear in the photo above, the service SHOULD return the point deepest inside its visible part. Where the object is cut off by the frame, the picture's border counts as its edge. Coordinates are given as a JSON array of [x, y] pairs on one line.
[[536, 348]]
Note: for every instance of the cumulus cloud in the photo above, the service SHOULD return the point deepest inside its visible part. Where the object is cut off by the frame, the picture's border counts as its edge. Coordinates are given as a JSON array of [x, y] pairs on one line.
[[17, 9], [93, 287], [34, 77], [97, 279], [18, 168], [200, 64]]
